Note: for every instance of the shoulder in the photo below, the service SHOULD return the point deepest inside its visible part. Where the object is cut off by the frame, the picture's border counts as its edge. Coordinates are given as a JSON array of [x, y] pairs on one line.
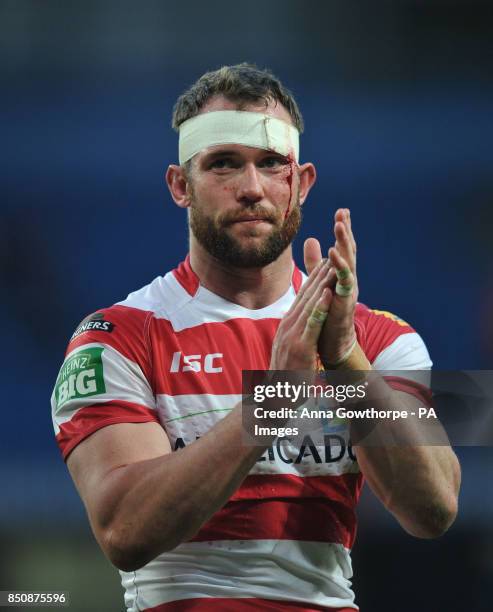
[[388, 341], [123, 326], [107, 374], [117, 327]]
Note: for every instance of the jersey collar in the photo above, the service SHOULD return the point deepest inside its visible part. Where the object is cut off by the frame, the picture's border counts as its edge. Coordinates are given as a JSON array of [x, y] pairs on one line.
[[191, 283]]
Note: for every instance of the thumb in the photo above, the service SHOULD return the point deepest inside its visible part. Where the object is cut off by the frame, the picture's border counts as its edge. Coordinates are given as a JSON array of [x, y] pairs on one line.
[[312, 254]]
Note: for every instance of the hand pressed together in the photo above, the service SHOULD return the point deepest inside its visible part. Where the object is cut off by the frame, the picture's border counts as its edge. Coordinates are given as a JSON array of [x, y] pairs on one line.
[[295, 344], [338, 335]]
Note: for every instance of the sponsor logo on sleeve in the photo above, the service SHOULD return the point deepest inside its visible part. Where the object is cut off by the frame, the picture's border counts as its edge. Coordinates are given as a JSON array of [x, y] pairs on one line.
[[95, 322], [81, 376], [390, 316]]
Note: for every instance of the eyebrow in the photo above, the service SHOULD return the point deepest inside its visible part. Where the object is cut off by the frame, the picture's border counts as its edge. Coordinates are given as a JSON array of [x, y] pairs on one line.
[[220, 153], [230, 152]]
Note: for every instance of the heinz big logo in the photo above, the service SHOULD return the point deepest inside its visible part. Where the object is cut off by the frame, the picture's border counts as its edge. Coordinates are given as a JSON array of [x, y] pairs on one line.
[[81, 376]]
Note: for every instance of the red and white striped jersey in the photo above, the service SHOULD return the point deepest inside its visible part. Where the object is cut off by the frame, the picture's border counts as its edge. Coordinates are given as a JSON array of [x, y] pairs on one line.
[[173, 352]]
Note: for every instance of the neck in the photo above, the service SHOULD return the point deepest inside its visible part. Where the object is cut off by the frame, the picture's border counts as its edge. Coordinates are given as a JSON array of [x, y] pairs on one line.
[[251, 288]]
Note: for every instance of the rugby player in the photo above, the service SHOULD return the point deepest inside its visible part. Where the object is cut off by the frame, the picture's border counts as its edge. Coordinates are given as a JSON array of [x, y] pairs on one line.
[[147, 409]]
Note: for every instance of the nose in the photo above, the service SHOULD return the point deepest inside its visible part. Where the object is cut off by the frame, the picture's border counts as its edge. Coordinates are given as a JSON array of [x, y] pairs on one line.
[[250, 189]]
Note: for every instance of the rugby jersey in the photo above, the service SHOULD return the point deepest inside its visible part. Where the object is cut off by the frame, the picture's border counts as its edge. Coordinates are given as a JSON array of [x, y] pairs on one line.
[[173, 352]]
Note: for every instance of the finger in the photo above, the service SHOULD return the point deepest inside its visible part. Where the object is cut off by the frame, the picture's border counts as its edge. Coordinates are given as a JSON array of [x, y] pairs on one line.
[[332, 278], [307, 287], [340, 214], [318, 280], [316, 319], [344, 244], [346, 280], [339, 262], [343, 215], [312, 253], [306, 310], [350, 229]]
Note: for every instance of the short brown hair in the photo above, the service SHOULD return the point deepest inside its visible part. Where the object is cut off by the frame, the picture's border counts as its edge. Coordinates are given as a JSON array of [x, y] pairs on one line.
[[242, 83]]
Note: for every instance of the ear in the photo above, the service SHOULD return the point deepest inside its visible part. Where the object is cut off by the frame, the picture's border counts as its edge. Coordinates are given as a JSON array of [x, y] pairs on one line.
[[307, 175], [178, 185]]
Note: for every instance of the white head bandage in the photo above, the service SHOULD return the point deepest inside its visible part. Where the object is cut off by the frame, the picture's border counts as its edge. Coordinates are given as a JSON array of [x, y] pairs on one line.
[[237, 127]]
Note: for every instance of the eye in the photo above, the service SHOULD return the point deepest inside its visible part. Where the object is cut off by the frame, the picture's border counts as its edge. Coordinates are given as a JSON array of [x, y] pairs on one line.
[[223, 163], [273, 162]]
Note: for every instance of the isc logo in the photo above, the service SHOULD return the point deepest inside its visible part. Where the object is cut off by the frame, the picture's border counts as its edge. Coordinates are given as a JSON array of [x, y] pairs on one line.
[[193, 363]]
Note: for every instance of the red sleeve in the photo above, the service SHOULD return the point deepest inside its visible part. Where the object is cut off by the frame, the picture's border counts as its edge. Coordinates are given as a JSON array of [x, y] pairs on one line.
[[377, 329], [106, 377]]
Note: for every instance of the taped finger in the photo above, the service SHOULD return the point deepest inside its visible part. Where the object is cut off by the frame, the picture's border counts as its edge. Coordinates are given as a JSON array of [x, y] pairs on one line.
[[344, 290], [345, 284], [317, 317]]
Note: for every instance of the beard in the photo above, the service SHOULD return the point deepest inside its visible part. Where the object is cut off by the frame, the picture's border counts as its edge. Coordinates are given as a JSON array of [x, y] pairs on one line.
[[214, 237]]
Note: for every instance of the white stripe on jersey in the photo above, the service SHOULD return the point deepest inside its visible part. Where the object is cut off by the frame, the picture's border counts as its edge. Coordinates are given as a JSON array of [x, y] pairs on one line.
[[192, 416], [271, 569], [173, 408], [169, 300], [407, 352]]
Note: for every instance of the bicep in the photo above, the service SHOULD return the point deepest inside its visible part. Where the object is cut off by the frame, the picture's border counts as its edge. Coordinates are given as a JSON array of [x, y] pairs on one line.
[[98, 463]]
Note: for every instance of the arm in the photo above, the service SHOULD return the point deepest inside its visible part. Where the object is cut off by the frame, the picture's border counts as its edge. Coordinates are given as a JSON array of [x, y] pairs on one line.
[[418, 484], [141, 498]]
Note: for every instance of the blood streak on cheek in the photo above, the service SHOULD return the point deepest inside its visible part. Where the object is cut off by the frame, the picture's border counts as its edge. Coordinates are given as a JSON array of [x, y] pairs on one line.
[[289, 181]]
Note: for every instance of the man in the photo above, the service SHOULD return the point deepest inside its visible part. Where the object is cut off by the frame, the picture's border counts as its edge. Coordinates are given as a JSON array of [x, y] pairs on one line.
[[218, 525]]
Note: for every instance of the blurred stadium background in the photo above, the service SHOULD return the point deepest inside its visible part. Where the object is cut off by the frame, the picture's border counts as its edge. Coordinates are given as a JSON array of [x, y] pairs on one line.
[[397, 99]]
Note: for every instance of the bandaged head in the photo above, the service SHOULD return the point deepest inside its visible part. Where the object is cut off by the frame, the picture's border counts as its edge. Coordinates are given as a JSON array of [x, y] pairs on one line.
[[237, 127]]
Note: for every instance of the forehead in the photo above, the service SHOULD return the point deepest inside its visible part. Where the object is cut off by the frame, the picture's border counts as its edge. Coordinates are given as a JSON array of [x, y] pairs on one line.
[[273, 108]]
